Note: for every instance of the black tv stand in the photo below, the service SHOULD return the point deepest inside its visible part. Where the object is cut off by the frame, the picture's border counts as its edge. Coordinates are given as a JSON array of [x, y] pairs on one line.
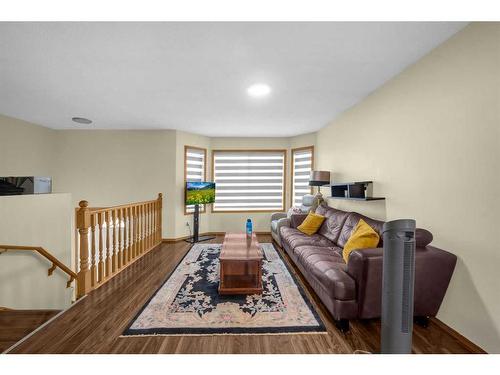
[[196, 228], [200, 239]]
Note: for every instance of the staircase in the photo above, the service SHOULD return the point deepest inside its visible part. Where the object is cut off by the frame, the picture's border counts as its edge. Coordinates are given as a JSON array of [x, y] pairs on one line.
[[109, 240], [16, 324]]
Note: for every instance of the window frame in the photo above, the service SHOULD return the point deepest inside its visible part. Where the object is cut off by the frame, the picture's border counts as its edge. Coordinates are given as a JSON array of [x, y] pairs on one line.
[[285, 177], [186, 148], [292, 164]]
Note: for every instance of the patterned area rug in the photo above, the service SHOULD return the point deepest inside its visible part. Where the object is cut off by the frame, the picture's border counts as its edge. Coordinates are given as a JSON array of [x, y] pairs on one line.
[[188, 303]]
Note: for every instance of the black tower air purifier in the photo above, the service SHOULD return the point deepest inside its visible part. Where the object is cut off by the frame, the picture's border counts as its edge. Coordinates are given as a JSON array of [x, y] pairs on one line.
[[397, 286]]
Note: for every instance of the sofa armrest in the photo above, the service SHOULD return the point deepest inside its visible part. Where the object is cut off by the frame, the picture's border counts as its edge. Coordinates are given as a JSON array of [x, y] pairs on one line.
[[433, 270], [360, 260], [297, 219], [365, 267], [283, 222], [278, 215]]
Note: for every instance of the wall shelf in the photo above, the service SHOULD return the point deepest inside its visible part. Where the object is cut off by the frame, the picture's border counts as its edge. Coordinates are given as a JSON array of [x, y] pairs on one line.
[[359, 191], [360, 199]]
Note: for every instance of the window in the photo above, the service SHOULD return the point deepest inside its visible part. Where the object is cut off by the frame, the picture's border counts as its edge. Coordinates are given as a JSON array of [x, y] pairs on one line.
[[249, 180], [194, 170], [302, 164]]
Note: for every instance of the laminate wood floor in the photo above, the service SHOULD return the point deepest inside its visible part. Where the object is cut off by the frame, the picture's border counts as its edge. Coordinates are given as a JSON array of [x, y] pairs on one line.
[[95, 323], [16, 324]]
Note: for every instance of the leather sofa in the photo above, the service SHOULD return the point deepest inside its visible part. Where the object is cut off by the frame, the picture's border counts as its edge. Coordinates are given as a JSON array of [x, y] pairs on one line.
[[354, 290]]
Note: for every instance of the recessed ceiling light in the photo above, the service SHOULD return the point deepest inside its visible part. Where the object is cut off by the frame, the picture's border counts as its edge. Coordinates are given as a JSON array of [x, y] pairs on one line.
[[82, 120], [259, 90]]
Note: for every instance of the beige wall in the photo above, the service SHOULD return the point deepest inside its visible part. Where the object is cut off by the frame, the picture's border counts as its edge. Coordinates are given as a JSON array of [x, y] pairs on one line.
[[100, 166], [429, 139], [25, 149], [118, 166], [35, 220], [303, 140]]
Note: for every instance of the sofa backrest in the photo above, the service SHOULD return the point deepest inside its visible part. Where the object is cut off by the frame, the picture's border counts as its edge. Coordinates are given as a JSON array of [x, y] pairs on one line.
[[338, 226], [332, 226], [351, 221]]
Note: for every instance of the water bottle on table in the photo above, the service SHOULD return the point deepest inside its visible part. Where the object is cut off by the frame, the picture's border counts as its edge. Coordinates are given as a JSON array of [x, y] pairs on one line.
[[249, 228]]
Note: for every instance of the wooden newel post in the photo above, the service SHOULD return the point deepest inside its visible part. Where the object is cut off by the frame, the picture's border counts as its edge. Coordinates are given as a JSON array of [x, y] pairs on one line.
[[160, 214], [83, 225]]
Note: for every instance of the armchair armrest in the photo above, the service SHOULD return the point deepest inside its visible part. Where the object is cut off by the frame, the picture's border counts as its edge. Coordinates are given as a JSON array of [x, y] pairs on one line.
[[297, 219], [278, 215]]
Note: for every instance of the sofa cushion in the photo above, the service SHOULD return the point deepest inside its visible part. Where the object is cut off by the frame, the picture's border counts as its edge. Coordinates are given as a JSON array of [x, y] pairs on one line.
[[303, 252], [293, 211], [294, 238], [297, 219], [286, 231], [351, 222], [333, 223], [328, 269]]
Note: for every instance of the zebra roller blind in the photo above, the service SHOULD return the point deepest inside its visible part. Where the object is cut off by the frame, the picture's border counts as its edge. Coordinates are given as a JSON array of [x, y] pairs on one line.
[[302, 164], [249, 180], [194, 162]]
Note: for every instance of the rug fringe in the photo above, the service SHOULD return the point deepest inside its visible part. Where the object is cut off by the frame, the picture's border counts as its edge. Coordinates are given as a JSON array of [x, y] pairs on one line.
[[228, 334]]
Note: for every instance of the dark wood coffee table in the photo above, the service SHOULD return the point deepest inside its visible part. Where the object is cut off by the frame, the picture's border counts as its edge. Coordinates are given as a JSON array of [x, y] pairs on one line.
[[240, 265]]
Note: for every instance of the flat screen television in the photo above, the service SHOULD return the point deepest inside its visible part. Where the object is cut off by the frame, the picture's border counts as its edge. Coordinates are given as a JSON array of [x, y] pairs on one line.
[[200, 192]]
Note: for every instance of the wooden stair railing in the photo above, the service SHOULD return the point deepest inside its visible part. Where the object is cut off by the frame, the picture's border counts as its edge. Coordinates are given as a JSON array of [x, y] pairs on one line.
[[111, 238], [40, 250]]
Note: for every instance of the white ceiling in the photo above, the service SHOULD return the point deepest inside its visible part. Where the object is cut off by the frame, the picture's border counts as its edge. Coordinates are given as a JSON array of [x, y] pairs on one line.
[[193, 76]]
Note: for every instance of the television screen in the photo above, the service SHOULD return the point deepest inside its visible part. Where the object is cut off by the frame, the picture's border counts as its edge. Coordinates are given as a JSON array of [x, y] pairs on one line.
[[200, 192]]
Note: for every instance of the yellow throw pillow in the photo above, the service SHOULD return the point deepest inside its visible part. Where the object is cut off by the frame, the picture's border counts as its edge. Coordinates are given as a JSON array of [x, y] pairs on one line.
[[311, 223], [362, 237]]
